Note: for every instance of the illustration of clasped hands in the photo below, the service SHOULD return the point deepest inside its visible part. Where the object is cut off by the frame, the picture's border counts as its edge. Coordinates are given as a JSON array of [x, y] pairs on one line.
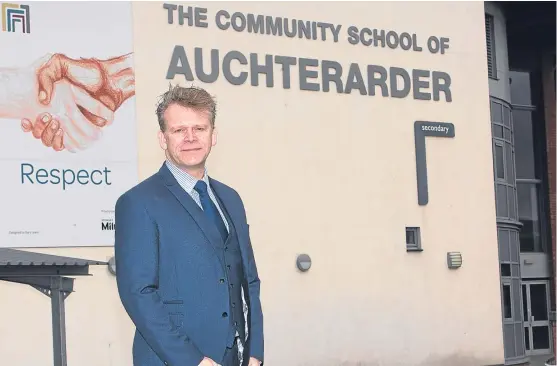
[[66, 103]]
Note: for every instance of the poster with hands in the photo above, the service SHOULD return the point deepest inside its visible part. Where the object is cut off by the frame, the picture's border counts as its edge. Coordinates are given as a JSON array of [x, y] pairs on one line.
[[68, 141]]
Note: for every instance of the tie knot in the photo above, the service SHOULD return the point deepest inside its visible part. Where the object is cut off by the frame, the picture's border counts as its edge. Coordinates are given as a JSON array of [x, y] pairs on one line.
[[201, 187]]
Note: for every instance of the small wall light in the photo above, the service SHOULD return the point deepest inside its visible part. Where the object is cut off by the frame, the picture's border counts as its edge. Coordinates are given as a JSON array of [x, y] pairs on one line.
[[454, 260], [112, 265], [303, 262]]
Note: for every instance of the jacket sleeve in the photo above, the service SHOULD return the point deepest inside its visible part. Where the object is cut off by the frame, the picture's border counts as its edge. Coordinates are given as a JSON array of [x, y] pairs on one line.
[[255, 312], [136, 254]]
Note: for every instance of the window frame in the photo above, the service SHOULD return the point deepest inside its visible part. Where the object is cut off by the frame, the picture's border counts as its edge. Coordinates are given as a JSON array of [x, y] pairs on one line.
[[540, 161]]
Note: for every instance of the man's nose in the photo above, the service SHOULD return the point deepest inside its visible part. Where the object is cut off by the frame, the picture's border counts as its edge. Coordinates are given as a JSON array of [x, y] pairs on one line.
[[189, 135]]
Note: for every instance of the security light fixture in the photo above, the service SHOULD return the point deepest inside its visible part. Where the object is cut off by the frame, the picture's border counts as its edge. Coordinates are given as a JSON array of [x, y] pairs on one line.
[[303, 262], [454, 260]]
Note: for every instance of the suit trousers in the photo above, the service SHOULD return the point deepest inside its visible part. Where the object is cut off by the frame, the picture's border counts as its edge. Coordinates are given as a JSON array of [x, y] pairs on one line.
[[231, 356]]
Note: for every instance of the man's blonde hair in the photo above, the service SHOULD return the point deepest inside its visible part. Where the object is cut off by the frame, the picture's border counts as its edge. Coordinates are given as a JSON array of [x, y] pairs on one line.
[[192, 97]]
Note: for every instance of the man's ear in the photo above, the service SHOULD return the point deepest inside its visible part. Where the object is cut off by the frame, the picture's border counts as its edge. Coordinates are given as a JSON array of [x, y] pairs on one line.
[[162, 140], [214, 137]]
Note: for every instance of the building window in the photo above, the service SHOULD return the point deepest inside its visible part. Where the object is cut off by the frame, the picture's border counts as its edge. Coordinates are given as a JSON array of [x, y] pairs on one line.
[[505, 270], [529, 171], [507, 302], [499, 161], [503, 156], [490, 43], [529, 215]]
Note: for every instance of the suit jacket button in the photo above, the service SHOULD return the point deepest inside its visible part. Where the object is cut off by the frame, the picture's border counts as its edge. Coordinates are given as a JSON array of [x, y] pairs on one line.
[[221, 280], [224, 315]]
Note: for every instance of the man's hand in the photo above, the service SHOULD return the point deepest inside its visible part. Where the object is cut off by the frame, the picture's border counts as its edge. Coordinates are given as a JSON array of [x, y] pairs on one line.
[[254, 362], [208, 362]]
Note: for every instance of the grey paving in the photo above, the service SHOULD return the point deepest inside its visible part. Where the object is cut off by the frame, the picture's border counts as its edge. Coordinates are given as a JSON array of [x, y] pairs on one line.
[[540, 360]]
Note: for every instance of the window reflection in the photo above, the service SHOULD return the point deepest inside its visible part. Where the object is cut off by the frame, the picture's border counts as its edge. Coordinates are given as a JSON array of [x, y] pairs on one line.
[[528, 215]]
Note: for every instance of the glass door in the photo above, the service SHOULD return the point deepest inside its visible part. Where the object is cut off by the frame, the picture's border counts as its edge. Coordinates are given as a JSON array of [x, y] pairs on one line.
[[537, 330]]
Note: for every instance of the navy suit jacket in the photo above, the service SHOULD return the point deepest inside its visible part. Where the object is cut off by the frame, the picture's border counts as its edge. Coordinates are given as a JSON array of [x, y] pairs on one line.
[[168, 274]]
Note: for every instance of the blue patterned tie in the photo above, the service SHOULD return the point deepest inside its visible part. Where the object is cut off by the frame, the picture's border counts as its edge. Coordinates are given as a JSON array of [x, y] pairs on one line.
[[210, 208]]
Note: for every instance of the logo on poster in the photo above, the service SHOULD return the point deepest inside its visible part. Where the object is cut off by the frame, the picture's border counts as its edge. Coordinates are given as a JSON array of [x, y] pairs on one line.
[[16, 16], [108, 224]]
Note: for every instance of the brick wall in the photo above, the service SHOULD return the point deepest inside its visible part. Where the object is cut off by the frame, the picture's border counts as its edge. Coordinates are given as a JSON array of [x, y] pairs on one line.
[[549, 103]]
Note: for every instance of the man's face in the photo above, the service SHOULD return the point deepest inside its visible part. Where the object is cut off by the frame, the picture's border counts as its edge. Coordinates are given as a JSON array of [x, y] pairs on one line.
[[188, 138]]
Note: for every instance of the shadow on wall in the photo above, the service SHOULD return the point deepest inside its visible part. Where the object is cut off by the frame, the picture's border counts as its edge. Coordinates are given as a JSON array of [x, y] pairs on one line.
[[451, 360], [457, 360]]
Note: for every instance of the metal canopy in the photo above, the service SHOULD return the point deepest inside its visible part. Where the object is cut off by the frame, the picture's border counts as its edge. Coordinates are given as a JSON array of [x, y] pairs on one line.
[[46, 273]]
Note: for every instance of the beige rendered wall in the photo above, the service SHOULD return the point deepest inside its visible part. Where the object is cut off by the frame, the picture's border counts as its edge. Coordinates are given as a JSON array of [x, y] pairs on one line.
[[330, 175]]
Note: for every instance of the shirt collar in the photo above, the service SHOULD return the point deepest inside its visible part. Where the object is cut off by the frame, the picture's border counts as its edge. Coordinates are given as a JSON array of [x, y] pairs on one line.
[[186, 180]]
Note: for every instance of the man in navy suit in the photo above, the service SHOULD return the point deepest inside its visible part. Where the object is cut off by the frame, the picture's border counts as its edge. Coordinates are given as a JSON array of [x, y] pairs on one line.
[[184, 261]]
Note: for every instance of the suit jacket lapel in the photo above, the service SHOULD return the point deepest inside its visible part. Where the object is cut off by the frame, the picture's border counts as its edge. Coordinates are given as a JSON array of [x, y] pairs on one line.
[[210, 231], [226, 205]]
